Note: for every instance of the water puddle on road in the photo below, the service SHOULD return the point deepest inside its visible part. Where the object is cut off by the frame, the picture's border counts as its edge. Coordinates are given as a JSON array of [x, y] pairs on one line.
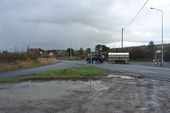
[[119, 76]]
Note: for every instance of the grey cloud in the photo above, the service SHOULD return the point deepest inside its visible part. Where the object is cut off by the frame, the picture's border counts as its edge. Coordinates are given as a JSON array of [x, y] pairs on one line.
[[66, 12], [77, 23]]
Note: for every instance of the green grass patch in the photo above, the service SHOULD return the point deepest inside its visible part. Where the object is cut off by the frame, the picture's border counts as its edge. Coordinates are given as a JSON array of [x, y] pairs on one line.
[[61, 74]]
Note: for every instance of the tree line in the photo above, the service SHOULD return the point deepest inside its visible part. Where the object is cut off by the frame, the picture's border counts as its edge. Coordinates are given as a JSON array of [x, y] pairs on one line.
[[138, 53]]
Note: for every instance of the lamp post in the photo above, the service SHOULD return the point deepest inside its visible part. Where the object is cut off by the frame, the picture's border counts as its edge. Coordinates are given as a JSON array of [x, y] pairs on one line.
[[162, 46]]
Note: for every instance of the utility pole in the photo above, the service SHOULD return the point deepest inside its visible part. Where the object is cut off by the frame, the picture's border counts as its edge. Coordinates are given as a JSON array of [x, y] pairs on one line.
[[15, 49], [122, 39], [71, 50], [132, 21]]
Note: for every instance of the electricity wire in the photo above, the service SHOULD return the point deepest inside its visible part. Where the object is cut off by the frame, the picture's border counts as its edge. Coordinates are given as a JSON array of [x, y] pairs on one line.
[[136, 14]]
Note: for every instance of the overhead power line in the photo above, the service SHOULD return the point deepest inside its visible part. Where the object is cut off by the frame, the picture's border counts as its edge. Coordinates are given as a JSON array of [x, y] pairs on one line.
[[132, 22], [136, 14]]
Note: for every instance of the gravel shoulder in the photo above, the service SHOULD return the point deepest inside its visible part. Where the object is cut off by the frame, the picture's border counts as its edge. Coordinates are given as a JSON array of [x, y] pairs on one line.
[[113, 94]]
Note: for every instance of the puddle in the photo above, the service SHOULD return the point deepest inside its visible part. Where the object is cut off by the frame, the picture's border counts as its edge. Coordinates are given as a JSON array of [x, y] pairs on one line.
[[119, 76]]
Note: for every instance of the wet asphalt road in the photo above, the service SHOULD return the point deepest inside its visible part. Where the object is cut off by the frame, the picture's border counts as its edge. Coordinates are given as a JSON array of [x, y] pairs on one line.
[[23, 72], [159, 73], [114, 93], [132, 69]]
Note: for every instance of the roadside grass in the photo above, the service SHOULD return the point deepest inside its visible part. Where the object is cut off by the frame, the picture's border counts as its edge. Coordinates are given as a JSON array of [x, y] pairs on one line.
[[4, 66], [18, 65], [80, 73]]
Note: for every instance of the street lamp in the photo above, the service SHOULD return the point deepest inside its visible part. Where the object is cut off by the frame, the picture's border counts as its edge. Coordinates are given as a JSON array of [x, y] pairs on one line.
[[162, 47]]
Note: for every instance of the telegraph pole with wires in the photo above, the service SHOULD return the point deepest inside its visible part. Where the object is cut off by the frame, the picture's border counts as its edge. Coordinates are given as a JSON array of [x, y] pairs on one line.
[[122, 38]]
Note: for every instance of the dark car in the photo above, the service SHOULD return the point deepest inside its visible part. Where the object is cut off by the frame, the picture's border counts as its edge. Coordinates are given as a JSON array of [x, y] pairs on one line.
[[98, 58]]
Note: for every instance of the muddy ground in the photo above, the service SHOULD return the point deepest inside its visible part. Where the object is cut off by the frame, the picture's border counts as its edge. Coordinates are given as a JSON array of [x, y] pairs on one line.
[[113, 94]]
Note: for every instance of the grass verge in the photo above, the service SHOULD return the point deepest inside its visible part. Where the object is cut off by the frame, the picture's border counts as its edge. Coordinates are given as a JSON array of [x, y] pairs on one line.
[[80, 73], [21, 65]]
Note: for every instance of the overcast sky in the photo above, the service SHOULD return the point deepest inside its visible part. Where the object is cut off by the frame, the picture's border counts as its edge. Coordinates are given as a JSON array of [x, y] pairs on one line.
[[59, 24]]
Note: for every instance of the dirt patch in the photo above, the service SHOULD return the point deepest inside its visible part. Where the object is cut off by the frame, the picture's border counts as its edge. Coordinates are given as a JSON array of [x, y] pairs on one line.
[[111, 95]]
